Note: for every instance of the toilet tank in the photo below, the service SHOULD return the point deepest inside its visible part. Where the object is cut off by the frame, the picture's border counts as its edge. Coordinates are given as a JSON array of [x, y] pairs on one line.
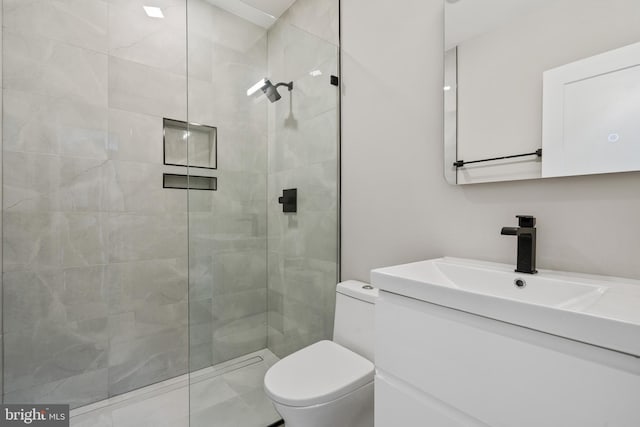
[[355, 317]]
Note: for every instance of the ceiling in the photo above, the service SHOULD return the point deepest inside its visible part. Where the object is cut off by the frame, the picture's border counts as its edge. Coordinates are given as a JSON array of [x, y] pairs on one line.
[[261, 12], [274, 8], [465, 19]]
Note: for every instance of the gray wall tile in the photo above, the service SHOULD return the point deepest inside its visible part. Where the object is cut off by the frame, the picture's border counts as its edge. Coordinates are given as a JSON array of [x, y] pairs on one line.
[[95, 251], [47, 67], [146, 360], [51, 351], [143, 89], [137, 237], [54, 125], [158, 43], [135, 137], [75, 390], [95, 254], [76, 22]]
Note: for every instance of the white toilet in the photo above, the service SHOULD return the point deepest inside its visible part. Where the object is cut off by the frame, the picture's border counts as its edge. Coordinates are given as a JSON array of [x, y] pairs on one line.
[[330, 383]]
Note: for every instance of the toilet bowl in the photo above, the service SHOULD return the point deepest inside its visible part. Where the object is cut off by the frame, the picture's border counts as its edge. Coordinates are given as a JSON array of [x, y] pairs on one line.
[[331, 383]]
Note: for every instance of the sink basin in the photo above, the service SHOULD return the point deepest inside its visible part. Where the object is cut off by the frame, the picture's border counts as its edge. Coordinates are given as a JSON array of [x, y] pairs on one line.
[[505, 283], [599, 310]]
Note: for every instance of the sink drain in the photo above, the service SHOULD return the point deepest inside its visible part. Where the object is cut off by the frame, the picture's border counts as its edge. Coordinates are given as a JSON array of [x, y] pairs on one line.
[[520, 283]]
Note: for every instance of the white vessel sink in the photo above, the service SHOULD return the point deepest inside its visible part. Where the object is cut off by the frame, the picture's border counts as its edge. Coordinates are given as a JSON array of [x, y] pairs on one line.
[[599, 310]]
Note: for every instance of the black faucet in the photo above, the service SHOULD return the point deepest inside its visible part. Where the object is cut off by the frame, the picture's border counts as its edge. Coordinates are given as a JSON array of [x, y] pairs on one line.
[[526, 233]]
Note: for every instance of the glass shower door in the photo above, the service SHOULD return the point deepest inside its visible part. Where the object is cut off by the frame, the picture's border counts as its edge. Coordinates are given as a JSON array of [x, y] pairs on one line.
[[94, 248], [227, 227], [261, 281], [303, 249], [145, 253]]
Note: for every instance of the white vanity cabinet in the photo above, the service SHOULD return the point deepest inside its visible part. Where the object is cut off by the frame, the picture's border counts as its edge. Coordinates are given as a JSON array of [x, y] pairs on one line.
[[441, 367]]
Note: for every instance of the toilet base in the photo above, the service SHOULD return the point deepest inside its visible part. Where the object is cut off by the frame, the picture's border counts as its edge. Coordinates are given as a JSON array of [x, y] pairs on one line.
[[352, 410]]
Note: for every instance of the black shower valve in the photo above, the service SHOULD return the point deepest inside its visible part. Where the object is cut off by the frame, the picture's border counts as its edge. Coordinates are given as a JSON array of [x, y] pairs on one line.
[[289, 200]]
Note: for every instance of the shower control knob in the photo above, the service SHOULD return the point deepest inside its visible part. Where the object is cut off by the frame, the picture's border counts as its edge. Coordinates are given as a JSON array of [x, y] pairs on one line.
[[289, 200]]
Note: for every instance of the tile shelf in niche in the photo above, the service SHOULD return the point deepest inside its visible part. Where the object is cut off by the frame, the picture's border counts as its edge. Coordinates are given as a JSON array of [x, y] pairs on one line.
[[189, 182], [189, 144]]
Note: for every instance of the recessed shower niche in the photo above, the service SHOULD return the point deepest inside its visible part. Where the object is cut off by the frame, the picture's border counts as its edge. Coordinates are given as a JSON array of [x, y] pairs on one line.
[[190, 144]]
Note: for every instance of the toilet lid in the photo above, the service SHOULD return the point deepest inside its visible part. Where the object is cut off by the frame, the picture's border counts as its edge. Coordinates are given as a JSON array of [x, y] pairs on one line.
[[317, 374]]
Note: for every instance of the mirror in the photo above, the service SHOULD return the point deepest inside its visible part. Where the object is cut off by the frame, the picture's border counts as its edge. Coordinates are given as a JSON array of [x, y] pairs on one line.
[[540, 88], [192, 141]]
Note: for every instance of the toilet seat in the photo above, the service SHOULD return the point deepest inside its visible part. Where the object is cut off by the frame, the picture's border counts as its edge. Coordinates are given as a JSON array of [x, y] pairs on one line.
[[317, 374]]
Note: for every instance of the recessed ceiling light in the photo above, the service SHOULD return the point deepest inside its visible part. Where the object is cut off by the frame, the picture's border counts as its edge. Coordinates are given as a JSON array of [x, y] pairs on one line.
[[153, 12], [315, 73]]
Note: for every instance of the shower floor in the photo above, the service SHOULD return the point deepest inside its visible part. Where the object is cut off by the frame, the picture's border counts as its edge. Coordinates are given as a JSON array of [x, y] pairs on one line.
[[225, 395]]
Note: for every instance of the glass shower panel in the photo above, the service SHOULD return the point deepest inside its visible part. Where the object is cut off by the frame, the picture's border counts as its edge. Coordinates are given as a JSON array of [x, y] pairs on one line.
[[116, 275], [304, 154], [227, 227], [148, 301], [94, 248], [261, 282]]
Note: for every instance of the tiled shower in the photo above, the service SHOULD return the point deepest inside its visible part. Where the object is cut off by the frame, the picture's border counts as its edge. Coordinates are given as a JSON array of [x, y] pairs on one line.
[[112, 282]]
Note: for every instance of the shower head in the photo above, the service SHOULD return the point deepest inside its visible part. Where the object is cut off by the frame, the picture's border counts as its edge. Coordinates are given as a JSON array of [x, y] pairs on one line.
[[271, 92], [269, 89]]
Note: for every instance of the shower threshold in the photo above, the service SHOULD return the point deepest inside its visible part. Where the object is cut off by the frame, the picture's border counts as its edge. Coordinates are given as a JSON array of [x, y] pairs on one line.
[[227, 394]]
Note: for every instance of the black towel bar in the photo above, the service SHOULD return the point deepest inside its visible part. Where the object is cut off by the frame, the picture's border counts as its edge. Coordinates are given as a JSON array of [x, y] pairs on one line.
[[461, 163]]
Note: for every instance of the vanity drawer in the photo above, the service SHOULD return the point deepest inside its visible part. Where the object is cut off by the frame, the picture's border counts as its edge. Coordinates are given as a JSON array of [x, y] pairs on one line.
[[398, 405], [501, 374]]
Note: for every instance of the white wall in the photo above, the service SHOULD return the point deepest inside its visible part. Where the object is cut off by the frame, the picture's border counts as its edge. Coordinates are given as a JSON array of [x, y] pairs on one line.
[[396, 206]]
